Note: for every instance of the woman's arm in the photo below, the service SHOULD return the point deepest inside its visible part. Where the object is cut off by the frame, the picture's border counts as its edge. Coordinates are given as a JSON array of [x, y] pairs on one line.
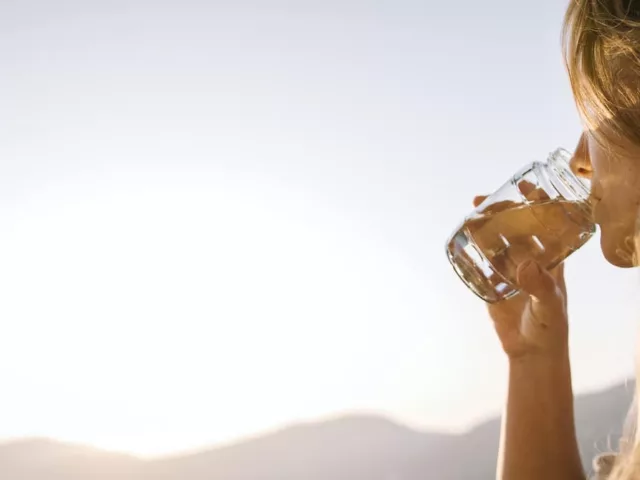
[[538, 431], [538, 435]]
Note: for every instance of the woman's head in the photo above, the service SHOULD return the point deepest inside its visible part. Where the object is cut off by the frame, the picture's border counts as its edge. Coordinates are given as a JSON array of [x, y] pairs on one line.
[[602, 51]]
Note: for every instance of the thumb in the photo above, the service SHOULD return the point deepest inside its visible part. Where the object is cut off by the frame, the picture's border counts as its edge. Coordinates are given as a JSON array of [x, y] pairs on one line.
[[540, 285]]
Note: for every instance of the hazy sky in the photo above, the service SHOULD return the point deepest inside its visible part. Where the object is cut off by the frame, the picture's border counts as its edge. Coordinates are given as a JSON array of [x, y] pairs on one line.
[[217, 217]]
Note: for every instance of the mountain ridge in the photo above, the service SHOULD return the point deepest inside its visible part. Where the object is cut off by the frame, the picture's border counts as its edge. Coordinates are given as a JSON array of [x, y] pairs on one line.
[[345, 447]]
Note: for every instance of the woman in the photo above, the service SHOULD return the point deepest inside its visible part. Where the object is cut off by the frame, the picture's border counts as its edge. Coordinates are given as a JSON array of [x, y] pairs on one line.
[[602, 48]]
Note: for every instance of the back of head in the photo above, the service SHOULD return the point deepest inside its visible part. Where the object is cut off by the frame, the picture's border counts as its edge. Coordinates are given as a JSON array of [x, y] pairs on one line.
[[602, 53]]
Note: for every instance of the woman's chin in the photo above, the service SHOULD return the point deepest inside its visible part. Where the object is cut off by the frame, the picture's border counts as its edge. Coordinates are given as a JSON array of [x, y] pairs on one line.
[[618, 256]]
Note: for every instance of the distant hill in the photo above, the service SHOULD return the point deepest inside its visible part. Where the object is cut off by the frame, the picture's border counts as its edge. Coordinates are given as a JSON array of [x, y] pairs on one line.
[[350, 448], [41, 459]]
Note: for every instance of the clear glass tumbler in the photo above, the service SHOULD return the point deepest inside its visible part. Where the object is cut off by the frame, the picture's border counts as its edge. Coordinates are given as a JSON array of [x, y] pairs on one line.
[[542, 213]]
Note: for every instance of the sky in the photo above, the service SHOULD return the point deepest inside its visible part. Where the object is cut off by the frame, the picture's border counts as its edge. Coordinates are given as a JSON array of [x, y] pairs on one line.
[[220, 218]]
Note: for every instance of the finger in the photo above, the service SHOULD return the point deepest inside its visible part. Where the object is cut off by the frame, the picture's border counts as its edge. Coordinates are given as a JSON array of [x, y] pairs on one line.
[[478, 200], [498, 206], [532, 192], [547, 300], [526, 187]]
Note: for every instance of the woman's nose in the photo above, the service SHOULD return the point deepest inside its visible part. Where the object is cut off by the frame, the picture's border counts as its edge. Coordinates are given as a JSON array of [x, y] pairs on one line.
[[581, 163]]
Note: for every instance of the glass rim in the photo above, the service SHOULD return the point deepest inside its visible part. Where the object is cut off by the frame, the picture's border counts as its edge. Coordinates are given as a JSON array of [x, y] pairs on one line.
[[560, 159]]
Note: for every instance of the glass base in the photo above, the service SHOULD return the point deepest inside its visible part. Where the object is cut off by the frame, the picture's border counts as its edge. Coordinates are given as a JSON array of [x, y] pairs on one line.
[[475, 270]]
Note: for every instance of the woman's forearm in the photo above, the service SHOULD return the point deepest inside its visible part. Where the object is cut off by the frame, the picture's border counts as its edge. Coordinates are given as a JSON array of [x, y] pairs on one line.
[[538, 432]]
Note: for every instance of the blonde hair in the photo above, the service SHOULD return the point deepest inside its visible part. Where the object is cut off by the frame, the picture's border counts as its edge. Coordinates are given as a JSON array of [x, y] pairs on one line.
[[602, 53]]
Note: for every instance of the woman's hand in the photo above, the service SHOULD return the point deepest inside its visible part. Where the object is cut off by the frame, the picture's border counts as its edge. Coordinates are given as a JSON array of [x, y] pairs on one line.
[[534, 322], [538, 433]]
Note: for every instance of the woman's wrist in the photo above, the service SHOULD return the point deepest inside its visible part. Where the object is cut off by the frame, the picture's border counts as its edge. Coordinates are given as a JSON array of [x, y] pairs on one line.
[[542, 360], [545, 376]]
